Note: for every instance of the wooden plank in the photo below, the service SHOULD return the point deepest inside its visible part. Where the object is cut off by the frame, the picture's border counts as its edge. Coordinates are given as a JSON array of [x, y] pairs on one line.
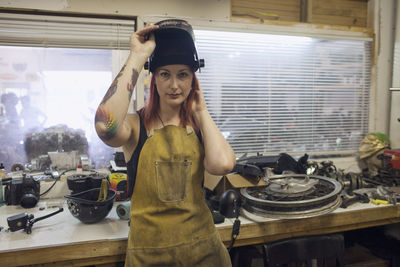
[[106, 252], [287, 10], [64, 253], [270, 15], [267, 2], [340, 4], [261, 10], [328, 12], [341, 12], [98, 262], [266, 6], [329, 223], [338, 20]]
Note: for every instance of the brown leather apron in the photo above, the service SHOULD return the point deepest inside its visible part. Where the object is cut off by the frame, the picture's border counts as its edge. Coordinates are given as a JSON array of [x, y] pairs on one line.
[[170, 223]]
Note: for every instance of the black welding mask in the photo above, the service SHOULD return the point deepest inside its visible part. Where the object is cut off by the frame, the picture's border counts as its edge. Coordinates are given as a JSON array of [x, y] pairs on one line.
[[175, 44]]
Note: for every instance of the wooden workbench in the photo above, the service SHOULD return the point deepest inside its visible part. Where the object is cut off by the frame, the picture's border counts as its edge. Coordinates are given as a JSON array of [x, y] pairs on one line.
[[62, 240]]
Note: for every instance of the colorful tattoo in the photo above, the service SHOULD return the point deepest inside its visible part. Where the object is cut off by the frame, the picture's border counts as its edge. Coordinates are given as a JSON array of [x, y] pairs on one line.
[[109, 121], [113, 88]]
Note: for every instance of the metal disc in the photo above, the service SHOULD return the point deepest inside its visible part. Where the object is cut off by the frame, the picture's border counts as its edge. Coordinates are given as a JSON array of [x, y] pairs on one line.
[[293, 196]]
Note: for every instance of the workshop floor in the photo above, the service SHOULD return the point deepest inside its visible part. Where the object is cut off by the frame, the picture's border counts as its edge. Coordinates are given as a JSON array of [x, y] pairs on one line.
[[359, 256], [372, 247]]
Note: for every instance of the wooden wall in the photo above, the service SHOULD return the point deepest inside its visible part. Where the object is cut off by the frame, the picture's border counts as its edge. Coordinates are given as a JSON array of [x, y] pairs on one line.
[[329, 12]]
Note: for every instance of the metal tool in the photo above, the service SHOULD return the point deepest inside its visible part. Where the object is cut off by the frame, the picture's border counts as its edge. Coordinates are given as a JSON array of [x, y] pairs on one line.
[[25, 221]]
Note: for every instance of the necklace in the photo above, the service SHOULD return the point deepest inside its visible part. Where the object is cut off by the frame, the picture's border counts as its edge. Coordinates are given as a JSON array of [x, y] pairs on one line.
[[158, 115]]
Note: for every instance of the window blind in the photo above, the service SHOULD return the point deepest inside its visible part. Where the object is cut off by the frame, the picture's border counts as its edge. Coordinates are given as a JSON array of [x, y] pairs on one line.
[[65, 31], [275, 93]]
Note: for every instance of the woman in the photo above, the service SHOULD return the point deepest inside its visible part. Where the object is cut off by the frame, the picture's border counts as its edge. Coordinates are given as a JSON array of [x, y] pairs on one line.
[[167, 145]]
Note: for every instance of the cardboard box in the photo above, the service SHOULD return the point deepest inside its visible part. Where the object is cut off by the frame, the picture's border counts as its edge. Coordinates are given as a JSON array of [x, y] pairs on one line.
[[219, 184]]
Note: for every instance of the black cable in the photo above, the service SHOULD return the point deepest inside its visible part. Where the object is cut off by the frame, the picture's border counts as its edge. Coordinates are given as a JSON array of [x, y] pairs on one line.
[[236, 224], [235, 232], [56, 179], [49, 188]]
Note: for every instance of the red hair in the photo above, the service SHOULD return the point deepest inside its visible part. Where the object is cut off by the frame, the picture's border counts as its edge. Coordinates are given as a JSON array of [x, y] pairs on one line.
[[152, 107]]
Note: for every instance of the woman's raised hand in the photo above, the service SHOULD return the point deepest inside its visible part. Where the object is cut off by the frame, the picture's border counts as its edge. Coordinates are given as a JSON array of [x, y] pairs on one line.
[[142, 41], [199, 103]]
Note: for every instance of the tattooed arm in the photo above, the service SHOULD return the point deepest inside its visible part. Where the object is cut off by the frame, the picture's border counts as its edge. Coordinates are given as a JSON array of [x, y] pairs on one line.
[[111, 122]]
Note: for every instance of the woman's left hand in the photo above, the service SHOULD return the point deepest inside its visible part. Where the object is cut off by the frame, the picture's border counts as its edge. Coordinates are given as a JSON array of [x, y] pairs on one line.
[[199, 103]]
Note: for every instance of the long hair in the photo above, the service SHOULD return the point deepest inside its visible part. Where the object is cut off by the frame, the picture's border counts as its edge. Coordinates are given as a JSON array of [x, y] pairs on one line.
[[149, 113]]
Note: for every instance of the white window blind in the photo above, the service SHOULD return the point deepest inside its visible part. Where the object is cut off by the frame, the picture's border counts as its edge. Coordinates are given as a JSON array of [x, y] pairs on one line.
[[275, 93], [65, 31]]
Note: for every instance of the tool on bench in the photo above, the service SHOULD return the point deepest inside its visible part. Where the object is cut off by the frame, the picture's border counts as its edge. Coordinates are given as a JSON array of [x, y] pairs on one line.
[[348, 200], [379, 201], [377, 195], [25, 221]]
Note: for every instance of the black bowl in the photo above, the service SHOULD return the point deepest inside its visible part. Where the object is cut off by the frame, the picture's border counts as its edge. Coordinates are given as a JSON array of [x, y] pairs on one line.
[[86, 208]]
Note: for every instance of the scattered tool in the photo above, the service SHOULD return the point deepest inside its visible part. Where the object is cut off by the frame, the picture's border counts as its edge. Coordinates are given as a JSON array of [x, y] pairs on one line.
[[348, 200], [25, 221], [379, 201]]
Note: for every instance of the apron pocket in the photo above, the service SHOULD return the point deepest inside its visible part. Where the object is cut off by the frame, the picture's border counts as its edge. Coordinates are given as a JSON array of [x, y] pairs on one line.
[[171, 179]]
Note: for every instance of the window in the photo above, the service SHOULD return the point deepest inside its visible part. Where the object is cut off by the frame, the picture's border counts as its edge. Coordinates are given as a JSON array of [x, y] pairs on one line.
[[278, 93], [54, 71], [267, 93]]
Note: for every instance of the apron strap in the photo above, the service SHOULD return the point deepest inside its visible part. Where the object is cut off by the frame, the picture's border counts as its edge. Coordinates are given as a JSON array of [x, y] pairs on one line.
[[151, 133], [189, 129]]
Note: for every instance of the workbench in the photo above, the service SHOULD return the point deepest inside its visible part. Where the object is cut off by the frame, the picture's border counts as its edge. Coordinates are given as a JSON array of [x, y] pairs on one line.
[[63, 240]]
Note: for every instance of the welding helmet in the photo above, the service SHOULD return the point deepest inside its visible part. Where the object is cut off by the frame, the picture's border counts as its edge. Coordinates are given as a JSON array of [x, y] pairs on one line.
[[175, 44]]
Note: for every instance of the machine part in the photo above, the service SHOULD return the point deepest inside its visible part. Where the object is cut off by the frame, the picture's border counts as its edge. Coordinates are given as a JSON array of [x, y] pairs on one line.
[[82, 182], [229, 204], [119, 182], [348, 200], [123, 210], [17, 167], [248, 170], [85, 207], [25, 221], [55, 138], [293, 196], [389, 194]]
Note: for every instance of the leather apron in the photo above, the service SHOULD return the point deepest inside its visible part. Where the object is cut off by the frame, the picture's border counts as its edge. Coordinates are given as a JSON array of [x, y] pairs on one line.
[[170, 223]]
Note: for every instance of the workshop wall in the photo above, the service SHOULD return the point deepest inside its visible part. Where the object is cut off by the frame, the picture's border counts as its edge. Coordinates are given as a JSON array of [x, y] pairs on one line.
[[334, 12], [207, 9]]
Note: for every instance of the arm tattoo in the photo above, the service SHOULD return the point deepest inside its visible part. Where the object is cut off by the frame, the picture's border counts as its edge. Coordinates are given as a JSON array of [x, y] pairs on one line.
[[113, 88], [131, 86], [109, 121]]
